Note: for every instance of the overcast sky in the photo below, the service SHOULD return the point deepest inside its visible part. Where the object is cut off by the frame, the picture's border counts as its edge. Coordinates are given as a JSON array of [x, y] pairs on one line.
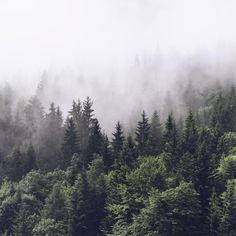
[[91, 47], [43, 34]]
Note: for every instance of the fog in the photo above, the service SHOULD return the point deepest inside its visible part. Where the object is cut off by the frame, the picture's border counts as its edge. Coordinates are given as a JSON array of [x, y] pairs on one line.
[[125, 54]]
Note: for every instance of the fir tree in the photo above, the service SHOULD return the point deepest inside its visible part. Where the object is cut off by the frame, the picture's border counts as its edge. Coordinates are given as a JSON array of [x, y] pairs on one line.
[[170, 144], [106, 153], [129, 155], [228, 220], [70, 145], [117, 142], [155, 135], [190, 135], [214, 215], [142, 136], [94, 142]]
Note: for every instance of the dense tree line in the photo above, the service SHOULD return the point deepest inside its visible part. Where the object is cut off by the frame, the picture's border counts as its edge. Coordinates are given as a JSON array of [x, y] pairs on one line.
[[69, 178]]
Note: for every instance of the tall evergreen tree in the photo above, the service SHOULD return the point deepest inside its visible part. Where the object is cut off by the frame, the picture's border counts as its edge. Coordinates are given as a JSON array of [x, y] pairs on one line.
[[15, 165], [129, 154], [86, 123], [228, 220], [188, 165], [214, 215], [106, 153], [170, 144], [190, 135], [117, 142], [30, 159], [142, 136], [94, 142], [70, 145], [155, 135], [51, 140]]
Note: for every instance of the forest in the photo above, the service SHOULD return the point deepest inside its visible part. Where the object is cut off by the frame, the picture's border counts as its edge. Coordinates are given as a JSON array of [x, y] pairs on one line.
[[170, 176]]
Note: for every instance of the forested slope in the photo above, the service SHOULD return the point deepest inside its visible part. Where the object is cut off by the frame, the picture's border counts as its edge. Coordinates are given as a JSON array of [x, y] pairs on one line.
[[170, 177]]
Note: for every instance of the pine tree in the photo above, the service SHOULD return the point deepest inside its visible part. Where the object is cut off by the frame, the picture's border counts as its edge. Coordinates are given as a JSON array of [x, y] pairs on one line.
[[170, 144], [15, 165], [129, 155], [94, 142], [80, 206], [86, 123], [117, 142], [106, 153], [30, 159], [56, 206], [51, 138], [190, 135], [228, 220], [142, 136], [214, 214], [155, 135], [70, 145]]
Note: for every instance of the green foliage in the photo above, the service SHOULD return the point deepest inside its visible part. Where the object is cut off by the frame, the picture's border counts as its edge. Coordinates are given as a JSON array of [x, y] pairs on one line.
[[129, 154], [172, 212], [142, 136], [177, 182], [70, 145], [227, 168], [228, 220], [155, 135], [117, 143], [226, 142], [214, 217], [49, 227], [150, 173], [170, 142]]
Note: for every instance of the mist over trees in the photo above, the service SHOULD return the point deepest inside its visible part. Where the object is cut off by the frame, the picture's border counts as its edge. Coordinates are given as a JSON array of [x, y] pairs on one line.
[[171, 175]]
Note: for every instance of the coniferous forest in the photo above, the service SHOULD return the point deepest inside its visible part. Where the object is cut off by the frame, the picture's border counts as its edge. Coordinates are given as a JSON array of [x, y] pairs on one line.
[[169, 176]]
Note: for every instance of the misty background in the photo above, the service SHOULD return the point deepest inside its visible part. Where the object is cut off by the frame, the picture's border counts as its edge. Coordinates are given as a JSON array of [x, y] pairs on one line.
[[127, 55]]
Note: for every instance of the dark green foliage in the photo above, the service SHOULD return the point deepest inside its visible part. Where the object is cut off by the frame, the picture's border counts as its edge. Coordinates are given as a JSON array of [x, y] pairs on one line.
[[86, 123], [70, 145], [51, 140], [155, 135], [72, 179], [30, 159], [214, 217], [170, 143], [129, 154], [15, 165], [142, 136], [117, 143], [224, 111], [172, 212], [106, 153], [94, 143], [226, 143], [190, 135], [228, 219]]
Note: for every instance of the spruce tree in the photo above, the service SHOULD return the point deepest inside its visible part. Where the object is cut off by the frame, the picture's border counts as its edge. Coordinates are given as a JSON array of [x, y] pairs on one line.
[[117, 142], [142, 136], [170, 144], [190, 135], [106, 153], [129, 155], [86, 123], [30, 159], [155, 135], [214, 215], [70, 144], [228, 226], [94, 142]]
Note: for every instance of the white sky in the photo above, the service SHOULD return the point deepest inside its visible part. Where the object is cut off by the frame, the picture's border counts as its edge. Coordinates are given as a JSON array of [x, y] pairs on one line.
[[41, 34]]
